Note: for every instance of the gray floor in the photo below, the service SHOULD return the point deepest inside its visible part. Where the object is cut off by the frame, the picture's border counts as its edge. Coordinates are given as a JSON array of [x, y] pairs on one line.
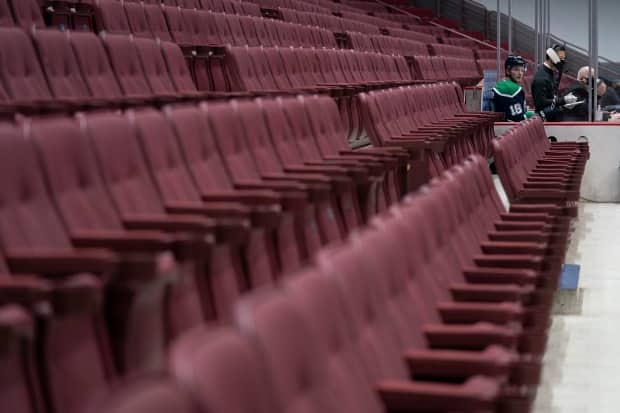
[[582, 362]]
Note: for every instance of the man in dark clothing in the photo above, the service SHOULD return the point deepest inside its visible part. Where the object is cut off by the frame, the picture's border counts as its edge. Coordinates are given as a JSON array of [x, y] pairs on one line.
[[545, 88], [610, 96], [616, 86], [579, 112], [602, 95]]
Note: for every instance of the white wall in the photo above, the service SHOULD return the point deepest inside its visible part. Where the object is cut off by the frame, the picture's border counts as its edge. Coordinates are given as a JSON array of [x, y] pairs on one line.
[[569, 21]]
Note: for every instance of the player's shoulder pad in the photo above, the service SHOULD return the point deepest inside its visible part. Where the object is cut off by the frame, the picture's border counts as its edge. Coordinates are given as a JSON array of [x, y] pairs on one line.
[[507, 88]]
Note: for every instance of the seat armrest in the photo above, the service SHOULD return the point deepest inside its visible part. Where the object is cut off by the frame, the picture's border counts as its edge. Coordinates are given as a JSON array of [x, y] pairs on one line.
[[525, 217], [497, 313], [337, 165], [519, 226], [409, 144], [213, 210], [489, 292], [293, 194], [551, 184], [509, 261], [505, 247], [315, 180], [227, 210], [470, 337], [546, 194], [519, 276], [162, 222], [475, 395], [536, 208], [52, 262], [318, 167], [24, 289], [518, 236], [232, 223], [247, 197], [493, 361], [122, 241], [272, 186], [298, 175]]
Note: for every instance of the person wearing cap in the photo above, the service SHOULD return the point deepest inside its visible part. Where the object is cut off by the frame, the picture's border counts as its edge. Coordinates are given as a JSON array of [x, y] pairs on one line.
[[547, 103], [508, 95]]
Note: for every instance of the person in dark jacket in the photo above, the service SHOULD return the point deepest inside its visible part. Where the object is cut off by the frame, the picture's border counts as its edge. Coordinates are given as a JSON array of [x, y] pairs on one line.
[[609, 97], [616, 86], [579, 111], [545, 87], [602, 95]]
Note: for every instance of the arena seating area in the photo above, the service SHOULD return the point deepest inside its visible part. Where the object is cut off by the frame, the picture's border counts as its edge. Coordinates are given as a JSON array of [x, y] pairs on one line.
[[188, 225]]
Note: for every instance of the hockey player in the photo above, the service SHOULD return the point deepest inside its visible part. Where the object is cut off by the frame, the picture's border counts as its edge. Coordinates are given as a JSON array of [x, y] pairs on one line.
[[508, 95]]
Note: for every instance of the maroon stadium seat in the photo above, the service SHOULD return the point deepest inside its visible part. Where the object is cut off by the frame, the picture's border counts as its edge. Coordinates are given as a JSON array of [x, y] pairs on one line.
[[138, 22], [27, 14], [223, 371], [125, 61], [143, 396], [60, 65], [21, 72], [157, 21], [95, 66], [111, 17], [6, 18]]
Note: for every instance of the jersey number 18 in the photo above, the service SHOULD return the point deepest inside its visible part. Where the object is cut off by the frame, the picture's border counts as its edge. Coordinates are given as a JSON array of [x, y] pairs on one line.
[[516, 109]]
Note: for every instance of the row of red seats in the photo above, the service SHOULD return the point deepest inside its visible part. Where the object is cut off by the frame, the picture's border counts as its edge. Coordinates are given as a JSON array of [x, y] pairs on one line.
[[223, 6], [402, 19], [534, 170], [442, 68], [333, 23], [369, 7], [448, 63], [52, 70], [82, 14], [78, 70], [487, 63], [387, 44], [195, 28], [323, 7], [439, 315], [369, 19], [339, 73], [140, 225], [439, 49], [187, 28], [304, 6], [427, 116], [461, 42], [22, 13], [327, 70], [425, 29], [419, 36]]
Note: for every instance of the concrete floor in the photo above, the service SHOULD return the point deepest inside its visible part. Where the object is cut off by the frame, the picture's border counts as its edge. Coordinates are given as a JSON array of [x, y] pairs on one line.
[[582, 362]]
